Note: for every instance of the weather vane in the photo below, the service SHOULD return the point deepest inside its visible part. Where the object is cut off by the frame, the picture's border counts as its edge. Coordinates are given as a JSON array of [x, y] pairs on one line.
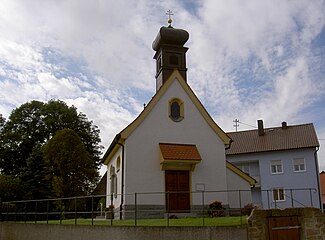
[[169, 13]]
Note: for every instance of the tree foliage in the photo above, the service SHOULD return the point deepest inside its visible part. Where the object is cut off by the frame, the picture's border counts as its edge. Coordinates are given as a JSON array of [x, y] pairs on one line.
[[34, 123], [11, 188], [71, 170], [2, 122], [28, 128]]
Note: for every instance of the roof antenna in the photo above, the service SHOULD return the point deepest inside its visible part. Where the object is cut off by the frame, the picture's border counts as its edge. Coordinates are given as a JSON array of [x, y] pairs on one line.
[[169, 13]]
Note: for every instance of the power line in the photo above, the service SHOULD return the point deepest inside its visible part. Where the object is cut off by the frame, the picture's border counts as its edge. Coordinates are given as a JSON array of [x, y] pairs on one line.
[[236, 124], [247, 124]]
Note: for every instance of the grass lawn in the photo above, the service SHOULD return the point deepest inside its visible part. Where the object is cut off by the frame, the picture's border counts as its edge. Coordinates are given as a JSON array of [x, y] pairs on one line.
[[218, 221]]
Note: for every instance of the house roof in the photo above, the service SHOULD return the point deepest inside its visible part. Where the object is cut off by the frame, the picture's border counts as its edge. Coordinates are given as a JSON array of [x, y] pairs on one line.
[[171, 151], [101, 186], [175, 76], [274, 139]]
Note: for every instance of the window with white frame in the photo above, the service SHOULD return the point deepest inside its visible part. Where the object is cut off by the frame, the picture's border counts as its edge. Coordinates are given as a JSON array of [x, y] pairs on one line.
[[299, 165], [278, 194], [276, 167]]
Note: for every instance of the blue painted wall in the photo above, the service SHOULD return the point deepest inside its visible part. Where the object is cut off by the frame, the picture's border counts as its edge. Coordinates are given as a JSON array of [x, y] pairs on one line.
[[260, 166]]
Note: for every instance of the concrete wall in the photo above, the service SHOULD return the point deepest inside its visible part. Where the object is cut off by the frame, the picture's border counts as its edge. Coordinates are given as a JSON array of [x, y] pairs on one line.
[[11, 231]]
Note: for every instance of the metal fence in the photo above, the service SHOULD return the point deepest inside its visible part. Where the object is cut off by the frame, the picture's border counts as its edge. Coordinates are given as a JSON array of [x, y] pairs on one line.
[[98, 208]]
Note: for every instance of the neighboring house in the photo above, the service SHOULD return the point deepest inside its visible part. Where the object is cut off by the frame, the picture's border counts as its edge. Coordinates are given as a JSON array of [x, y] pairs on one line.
[[284, 162], [322, 184], [173, 153]]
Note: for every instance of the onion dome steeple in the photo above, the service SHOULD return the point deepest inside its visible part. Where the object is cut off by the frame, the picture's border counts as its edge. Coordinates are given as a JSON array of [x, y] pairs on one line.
[[170, 52]]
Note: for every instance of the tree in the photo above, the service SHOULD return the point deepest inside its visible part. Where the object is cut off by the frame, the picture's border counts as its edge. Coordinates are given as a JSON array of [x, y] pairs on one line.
[[71, 170], [28, 128], [2, 122], [34, 175], [34, 123], [11, 188], [24, 129]]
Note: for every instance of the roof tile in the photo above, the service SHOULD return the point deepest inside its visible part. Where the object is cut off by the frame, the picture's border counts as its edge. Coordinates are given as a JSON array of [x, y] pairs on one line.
[[274, 139], [171, 151]]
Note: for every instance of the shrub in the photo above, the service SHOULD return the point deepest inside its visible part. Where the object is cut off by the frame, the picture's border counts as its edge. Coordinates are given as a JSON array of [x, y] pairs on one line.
[[216, 209], [247, 209]]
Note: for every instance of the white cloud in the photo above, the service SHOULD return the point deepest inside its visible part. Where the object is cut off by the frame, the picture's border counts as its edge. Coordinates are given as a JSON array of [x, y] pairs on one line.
[[247, 59]]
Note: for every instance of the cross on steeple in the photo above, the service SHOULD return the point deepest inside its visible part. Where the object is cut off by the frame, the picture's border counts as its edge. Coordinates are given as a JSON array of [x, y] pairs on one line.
[[169, 13]]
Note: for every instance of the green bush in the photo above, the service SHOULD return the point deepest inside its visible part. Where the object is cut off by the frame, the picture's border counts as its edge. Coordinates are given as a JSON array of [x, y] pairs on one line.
[[247, 209], [216, 209]]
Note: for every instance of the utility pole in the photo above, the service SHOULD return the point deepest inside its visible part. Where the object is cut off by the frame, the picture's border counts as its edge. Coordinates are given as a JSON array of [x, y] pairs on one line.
[[236, 125]]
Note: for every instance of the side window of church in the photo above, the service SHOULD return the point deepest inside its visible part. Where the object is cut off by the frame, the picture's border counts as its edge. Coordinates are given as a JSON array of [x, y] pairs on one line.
[[176, 110]]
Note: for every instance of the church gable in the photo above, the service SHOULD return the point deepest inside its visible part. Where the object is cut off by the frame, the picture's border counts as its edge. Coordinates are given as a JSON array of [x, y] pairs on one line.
[[175, 97]]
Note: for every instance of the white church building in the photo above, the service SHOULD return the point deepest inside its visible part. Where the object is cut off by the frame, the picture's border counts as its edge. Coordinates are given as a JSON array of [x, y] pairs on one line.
[[171, 158]]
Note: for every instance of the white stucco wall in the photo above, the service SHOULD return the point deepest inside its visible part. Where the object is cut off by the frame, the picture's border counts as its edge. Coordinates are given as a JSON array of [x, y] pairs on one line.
[[143, 171], [236, 198]]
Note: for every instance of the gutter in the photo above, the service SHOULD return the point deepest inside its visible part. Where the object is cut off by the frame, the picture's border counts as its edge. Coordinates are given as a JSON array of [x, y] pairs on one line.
[[228, 145], [111, 146], [317, 177]]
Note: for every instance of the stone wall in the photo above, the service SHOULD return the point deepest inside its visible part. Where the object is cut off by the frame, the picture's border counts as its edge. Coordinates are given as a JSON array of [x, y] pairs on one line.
[[311, 222], [25, 231]]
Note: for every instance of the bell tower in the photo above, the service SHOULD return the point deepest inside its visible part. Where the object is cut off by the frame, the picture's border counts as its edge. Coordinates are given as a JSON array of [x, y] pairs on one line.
[[170, 52]]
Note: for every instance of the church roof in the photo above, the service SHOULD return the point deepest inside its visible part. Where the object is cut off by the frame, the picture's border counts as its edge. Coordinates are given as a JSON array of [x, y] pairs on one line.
[[170, 36], [274, 139], [175, 76], [172, 151]]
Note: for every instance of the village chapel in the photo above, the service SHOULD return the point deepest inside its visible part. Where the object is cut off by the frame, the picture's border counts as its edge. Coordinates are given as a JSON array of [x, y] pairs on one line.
[[171, 158]]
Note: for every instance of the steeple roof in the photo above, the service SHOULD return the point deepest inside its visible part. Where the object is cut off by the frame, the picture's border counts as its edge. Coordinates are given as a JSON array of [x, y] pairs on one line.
[[170, 36]]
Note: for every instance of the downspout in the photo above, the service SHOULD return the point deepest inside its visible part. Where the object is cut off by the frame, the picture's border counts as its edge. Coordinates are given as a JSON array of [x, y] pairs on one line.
[[317, 174], [227, 146], [122, 185]]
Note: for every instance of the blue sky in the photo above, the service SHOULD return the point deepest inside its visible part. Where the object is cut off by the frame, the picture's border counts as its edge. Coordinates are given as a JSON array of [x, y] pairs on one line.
[[247, 60]]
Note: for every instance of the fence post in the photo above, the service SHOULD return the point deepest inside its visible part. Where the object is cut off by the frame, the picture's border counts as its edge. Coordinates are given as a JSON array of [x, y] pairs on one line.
[[241, 217], [268, 199], [25, 212], [167, 208], [111, 209], [135, 209], [311, 198], [291, 195], [60, 211], [75, 210], [92, 210], [36, 212], [47, 211], [203, 208]]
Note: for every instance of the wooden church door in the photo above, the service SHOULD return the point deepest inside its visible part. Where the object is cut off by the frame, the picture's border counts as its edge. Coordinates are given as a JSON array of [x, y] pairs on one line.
[[177, 191]]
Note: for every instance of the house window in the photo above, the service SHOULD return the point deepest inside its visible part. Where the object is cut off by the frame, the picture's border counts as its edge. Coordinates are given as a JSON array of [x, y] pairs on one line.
[[176, 110], [299, 165], [276, 167], [278, 194]]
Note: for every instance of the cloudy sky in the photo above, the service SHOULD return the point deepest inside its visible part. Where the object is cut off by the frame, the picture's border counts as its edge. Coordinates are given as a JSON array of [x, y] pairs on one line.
[[247, 60]]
